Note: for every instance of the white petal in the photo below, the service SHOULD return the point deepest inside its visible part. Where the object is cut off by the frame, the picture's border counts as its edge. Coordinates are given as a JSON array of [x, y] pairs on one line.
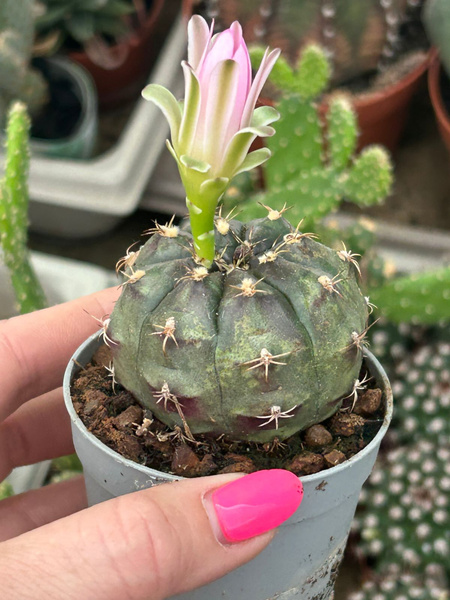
[[199, 36]]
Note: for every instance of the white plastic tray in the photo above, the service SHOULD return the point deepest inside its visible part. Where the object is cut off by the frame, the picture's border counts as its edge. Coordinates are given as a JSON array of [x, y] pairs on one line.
[[80, 198]]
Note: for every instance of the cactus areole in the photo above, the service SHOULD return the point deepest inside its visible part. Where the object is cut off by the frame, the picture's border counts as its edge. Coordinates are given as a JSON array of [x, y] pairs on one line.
[[250, 330]]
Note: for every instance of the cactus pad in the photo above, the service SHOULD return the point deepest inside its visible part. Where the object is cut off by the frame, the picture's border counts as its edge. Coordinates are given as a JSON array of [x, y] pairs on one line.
[[260, 346]]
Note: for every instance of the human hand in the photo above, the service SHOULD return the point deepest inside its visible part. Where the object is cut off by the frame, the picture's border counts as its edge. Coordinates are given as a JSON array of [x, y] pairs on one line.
[[150, 544]]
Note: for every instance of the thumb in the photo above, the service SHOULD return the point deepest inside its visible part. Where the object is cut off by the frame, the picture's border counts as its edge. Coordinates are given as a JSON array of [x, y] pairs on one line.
[[151, 544]]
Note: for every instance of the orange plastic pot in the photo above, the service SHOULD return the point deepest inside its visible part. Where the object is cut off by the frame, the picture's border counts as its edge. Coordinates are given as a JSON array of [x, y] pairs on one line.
[[382, 115], [440, 110], [125, 82]]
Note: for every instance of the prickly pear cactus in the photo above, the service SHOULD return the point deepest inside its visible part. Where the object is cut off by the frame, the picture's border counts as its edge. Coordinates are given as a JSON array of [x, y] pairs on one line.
[[421, 298], [405, 519], [311, 171], [17, 80], [264, 344]]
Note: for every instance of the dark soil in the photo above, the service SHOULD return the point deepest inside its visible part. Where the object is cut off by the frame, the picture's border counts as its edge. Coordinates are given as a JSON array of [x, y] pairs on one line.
[[121, 423], [60, 116]]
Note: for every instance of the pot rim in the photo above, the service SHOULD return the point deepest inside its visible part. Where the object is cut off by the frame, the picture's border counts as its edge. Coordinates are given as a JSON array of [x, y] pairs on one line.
[[75, 419], [366, 99], [86, 95], [434, 89]]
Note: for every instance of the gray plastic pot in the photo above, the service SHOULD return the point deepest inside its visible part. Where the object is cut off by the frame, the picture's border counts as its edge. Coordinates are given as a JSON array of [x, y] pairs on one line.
[[302, 561]]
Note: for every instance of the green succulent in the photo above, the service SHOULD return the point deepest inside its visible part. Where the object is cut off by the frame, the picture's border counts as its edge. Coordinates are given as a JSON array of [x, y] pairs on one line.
[[405, 514], [18, 81], [82, 20]]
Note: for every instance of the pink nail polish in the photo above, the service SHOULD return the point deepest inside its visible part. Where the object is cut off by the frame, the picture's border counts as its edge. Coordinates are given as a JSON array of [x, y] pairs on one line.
[[256, 503]]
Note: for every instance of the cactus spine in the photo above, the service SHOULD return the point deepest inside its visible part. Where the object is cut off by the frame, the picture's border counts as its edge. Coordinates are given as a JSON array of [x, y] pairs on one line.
[[14, 213]]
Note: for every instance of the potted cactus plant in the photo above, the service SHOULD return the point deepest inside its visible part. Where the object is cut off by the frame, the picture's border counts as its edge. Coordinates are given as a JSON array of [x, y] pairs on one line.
[[437, 23], [363, 40], [240, 334], [113, 39], [56, 91]]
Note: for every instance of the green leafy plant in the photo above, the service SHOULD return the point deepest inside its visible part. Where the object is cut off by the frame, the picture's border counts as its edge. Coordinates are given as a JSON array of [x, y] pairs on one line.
[[436, 16], [14, 213], [18, 81]]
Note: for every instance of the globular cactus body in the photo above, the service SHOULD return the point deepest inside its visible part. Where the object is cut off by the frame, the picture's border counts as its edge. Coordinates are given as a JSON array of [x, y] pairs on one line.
[[262, 345]]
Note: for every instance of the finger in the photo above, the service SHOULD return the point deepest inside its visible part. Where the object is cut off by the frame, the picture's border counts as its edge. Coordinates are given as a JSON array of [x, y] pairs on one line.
[[38, 430], [30, 510], [35, 348], [151, 544]]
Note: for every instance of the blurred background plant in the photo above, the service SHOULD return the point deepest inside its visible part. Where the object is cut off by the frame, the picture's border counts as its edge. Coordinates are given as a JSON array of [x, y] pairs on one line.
[[18, 80], [91, 25], [358, 37]]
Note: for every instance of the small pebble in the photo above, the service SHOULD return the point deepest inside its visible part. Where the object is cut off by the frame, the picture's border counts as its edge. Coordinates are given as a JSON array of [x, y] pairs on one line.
[[346, 424], [317, 436], [368, 403], [333, 458], [306, 464]]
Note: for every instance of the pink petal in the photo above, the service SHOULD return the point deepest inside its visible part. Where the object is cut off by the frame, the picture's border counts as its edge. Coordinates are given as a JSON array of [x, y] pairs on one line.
[[260, 79], [199, 36]]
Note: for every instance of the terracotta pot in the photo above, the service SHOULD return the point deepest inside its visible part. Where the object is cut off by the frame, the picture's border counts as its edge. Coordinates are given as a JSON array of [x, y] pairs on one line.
[[125, 82], [440, 110], [382, 115]]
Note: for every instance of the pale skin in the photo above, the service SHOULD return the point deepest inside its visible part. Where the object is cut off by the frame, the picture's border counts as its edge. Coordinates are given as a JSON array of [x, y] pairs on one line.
[[139, 546]]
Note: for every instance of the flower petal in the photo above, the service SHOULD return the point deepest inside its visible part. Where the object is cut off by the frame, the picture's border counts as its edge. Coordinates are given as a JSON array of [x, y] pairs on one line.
[[191, 109], [254, 159], [166, 101], [264, 115], [196, 165], [261, 76], [239, 145], [221, 99], [199, 36]]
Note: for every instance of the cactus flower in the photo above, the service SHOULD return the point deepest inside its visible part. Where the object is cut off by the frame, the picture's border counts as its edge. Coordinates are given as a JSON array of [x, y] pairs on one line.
[[213, 129]]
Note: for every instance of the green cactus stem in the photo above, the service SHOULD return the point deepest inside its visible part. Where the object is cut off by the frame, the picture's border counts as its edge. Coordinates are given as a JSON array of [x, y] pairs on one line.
[[262, 345], [421, 298], [312, 169], [14, 213], [5, 490]]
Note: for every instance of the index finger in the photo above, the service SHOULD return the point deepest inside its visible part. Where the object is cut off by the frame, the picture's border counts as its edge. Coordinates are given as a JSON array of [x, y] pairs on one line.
[[35, 348]]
